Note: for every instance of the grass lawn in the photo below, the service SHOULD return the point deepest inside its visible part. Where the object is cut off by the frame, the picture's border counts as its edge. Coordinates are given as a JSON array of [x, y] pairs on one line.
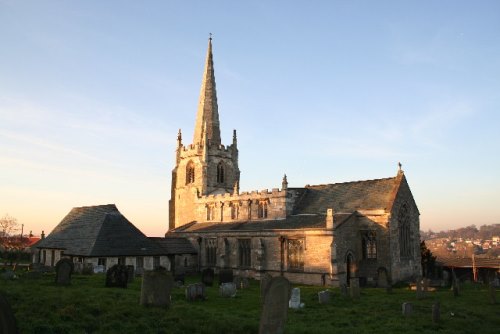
[[86, 306]]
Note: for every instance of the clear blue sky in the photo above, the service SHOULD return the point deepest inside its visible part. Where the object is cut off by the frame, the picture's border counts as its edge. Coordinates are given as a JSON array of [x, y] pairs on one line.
[[92, 94]]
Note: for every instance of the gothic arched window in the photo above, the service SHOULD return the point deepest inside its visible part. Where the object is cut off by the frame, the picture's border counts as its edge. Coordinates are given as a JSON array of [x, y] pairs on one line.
[[369, 245], [262, 210], [295, 254], [220, 172], [405, 247], [211, 251], [190, 172]]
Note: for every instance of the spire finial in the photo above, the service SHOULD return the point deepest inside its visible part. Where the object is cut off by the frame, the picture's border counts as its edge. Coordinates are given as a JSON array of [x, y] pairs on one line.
[[284, 183], [400, 170], [210, 36]]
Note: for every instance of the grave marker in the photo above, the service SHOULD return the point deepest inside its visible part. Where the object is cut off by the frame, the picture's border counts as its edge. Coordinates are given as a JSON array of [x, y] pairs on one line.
[[8, 324], [264, 284], [226, 276], [295, 299], [275, 308], [354, 288], [64, 269], [407, 309], [325, 297], [207, 276], [436, 312], [195, 292], [227, 289], [117, 276], [156, 288]]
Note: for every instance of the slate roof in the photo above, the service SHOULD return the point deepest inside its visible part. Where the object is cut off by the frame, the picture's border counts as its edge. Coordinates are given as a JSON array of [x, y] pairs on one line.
[[348, 196], [466, 262], [99, 231], [175, 245]]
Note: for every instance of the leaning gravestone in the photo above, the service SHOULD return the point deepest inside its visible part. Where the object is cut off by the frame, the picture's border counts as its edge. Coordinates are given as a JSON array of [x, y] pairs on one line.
[[207, 276], [264, 283], [295, 299], [226, 276], [227, 289], [64, 269], [130, 273], [275, 308], [8, 324], [195, 292], [407, 309], [354, 288], [156, 288], [436, 312], [325, 297], [117, 276]]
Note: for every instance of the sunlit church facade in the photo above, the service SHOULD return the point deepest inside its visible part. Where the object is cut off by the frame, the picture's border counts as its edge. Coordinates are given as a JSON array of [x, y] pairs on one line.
[[319, 234]]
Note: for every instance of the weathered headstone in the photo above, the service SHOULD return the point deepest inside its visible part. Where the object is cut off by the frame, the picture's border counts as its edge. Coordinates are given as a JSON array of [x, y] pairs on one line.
[[383, 280], [295, 299], [207, 276], [354, 288], [8, 323], [130, 273], [195, 292], [344, 290], [407, 309], [64, 269], [492, 292], [227, 289], [226, 276], [325, 297], [117, 276], [180, 276], [156, 288], [436, 312], [264, 284], [420, 293], [275, 308]]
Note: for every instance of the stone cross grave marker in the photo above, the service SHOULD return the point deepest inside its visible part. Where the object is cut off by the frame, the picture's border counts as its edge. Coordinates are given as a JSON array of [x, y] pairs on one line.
[[8, 323], [264, 283], [207, 276], [325, 297], [407, 309], [227, 289], [226, 276], [195, 292], [275, 308], [295, 299], [64, 269], [156, 288], [354, 288], [436, 312], [117, 276]]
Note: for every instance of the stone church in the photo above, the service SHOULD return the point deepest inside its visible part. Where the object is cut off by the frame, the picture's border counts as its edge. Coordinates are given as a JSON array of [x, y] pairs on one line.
[[319, 234]]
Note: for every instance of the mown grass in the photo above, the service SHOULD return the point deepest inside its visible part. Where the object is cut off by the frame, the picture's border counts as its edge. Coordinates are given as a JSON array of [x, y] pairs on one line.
[[86, 306]]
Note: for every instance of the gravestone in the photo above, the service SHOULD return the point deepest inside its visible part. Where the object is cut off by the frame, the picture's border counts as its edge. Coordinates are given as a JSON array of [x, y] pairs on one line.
[[420, 293], [8, 275], [8, 323], [354, 288], [492, 292], [382, 281], [77, 267], [227, 289], [64, 269], [156, 288], [295, 299], [88, 269], [275, 308], [207, 276], [436, 312], [226, 276], [325, 297], [264, 283], [407, 309], [180, 276], [195, 292], [117, 276], [343, 290], [130, 273]]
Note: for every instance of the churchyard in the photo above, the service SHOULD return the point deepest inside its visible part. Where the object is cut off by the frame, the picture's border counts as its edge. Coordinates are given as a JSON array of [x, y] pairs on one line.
[[86, 305]]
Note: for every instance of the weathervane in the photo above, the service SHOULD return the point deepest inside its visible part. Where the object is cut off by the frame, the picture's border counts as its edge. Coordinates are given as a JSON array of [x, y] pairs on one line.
[[210, 36]]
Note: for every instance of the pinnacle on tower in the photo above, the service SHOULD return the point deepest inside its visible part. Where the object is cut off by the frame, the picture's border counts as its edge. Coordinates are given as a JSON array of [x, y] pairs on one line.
[[207, 118]]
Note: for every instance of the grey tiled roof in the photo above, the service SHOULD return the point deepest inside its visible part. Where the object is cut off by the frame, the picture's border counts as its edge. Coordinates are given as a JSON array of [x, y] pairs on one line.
[[348, 196], [174, 245], [99, 231]]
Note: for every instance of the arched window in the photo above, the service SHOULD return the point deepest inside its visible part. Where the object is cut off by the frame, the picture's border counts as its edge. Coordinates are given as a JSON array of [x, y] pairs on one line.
[[262, 210], [245, 251], [190, 172], [210, 212], [235, 210], [405, 247], [295, 254], [220, 172], [211, 251], [369, 245]]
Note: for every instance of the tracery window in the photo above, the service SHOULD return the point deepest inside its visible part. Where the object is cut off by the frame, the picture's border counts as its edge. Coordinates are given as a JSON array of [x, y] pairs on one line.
[[295, 254], [262, 209], [220, 172], [211, 251], [369, 241], [244, 252], [405, 249], [235, 210], [190, 172]]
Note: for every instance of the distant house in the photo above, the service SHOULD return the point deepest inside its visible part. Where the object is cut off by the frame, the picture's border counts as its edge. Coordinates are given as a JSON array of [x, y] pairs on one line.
[[100, 235]]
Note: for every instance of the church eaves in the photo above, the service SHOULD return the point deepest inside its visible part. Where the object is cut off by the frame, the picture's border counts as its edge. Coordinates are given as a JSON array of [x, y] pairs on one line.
[[207, 118]]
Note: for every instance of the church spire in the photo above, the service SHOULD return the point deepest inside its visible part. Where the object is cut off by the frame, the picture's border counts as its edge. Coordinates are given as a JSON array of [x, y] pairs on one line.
[[207, 118]]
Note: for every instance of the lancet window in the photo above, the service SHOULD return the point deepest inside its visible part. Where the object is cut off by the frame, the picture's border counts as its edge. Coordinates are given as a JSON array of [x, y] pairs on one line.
[[190, 173], [295, 251], [245, 251], [211, 251], [262, 209], [220, 172], [369, 241]]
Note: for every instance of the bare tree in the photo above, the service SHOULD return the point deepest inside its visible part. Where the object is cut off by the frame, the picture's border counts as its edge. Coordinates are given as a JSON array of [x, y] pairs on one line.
[[8, 225]]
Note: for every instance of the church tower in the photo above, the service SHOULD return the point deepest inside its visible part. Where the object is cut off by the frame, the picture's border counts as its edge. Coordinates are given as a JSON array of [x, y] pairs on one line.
[[206, 166]]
